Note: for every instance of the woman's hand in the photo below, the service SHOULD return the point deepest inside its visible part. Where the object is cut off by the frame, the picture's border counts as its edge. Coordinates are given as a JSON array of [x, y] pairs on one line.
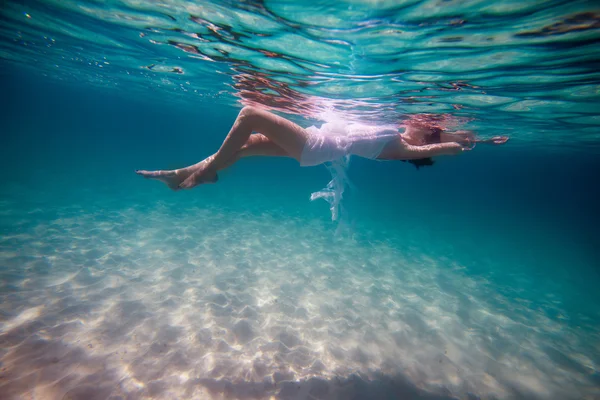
[[498, 140], [465, 138], [454, 148]]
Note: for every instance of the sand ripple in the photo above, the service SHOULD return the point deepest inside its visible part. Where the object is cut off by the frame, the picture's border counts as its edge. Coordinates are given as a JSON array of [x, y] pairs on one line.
[[143, 304]]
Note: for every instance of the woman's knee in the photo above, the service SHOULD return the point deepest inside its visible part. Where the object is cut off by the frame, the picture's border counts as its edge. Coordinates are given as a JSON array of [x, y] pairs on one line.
[[248, 117], [248, 112], [256, 115]]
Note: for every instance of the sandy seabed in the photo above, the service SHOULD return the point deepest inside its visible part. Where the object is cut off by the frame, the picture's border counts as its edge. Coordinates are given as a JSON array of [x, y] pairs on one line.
[[143, 304]]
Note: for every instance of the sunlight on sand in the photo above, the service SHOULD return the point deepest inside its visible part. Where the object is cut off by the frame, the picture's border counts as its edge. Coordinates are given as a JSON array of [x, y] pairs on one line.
[[218, 305]]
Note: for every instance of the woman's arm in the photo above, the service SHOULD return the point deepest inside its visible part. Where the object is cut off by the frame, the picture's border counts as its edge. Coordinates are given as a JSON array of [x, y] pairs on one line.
[[467, 138], [494, 140], [401, 150]]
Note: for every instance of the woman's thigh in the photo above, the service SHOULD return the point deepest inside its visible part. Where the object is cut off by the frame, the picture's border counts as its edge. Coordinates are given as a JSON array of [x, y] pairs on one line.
[[284, 133]]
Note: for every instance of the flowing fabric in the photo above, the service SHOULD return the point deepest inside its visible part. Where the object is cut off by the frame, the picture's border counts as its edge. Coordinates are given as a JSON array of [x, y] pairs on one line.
[[333, 193], [332, 145], [334, 141]]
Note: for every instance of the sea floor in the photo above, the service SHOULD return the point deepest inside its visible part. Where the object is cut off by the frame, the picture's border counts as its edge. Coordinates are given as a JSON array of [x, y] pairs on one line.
[[151, 301]]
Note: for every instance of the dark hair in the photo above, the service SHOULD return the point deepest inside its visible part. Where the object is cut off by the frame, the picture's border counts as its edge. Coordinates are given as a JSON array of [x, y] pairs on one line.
[[434, 137], [421, 162]]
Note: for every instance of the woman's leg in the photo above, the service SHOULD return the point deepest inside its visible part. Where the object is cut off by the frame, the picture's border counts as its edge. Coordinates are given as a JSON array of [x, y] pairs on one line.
[[280, 131], [256, 145]]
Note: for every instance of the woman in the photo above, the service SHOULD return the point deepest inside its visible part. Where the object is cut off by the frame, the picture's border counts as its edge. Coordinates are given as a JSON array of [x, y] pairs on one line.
[[278, 137]]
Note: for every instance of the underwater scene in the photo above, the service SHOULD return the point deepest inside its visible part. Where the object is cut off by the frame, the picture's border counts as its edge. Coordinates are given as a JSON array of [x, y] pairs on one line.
[[385, 199]]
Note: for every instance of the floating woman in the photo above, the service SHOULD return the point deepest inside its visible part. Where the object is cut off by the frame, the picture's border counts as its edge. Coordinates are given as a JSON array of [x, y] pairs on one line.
[[257, 132]]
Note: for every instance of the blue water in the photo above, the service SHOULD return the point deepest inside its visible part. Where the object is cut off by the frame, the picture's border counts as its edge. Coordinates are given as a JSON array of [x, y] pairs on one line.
[[474, 278]]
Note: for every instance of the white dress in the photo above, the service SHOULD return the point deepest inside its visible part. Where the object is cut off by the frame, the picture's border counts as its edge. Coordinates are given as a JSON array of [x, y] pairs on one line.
[[334, 141]]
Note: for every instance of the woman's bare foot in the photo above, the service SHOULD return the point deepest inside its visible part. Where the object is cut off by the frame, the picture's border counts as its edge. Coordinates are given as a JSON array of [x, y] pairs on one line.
[[185, 178], [172, 178], [200, 176]]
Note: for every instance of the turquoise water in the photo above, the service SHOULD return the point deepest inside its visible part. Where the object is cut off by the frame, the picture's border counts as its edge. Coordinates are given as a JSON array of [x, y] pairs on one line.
[[474, 278]]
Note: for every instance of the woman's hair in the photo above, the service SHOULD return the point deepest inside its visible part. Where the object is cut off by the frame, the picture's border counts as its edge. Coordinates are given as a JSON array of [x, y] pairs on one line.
[[421, 162]]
